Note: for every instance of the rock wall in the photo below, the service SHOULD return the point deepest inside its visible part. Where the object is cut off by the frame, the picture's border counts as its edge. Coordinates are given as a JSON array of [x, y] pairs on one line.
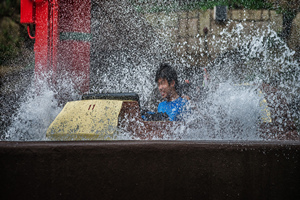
[[294, 40], [194, 34]]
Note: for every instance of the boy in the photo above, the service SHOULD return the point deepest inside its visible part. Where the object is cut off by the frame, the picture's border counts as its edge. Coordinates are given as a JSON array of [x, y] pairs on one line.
[[174, 106]]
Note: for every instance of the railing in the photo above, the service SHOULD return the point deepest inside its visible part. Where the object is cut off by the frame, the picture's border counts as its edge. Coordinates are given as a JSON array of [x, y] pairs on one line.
[[167, 2], [188, 4], [152, 5]]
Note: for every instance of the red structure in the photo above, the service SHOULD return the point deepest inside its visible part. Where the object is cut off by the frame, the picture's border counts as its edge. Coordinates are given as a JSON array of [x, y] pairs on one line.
[[62, 39]]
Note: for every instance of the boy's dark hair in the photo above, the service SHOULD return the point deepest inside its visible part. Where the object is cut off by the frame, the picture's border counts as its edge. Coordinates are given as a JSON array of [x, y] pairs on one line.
[[165, 71]]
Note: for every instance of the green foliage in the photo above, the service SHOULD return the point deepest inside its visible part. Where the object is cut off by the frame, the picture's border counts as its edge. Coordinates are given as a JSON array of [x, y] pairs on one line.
[[249, 4], [10, 27], [9, 8], [175, 5], [10, 40], [286, 5]]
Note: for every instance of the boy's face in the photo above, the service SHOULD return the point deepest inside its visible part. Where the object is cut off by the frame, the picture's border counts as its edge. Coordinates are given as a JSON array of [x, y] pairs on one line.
[[165, 88]]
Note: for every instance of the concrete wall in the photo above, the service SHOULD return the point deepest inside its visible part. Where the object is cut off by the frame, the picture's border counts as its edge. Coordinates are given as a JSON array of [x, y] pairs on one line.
[[186, 30]]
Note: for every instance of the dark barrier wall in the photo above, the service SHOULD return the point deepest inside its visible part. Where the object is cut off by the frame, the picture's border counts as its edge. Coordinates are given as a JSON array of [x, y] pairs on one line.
[[150, 170]]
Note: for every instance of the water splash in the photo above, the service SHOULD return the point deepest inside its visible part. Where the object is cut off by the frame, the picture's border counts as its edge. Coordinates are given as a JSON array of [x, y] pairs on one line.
[[126, 52], [34, 116]]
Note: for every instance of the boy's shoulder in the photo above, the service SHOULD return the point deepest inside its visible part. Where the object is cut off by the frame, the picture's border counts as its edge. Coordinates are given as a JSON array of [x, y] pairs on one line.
[[181, 100]]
